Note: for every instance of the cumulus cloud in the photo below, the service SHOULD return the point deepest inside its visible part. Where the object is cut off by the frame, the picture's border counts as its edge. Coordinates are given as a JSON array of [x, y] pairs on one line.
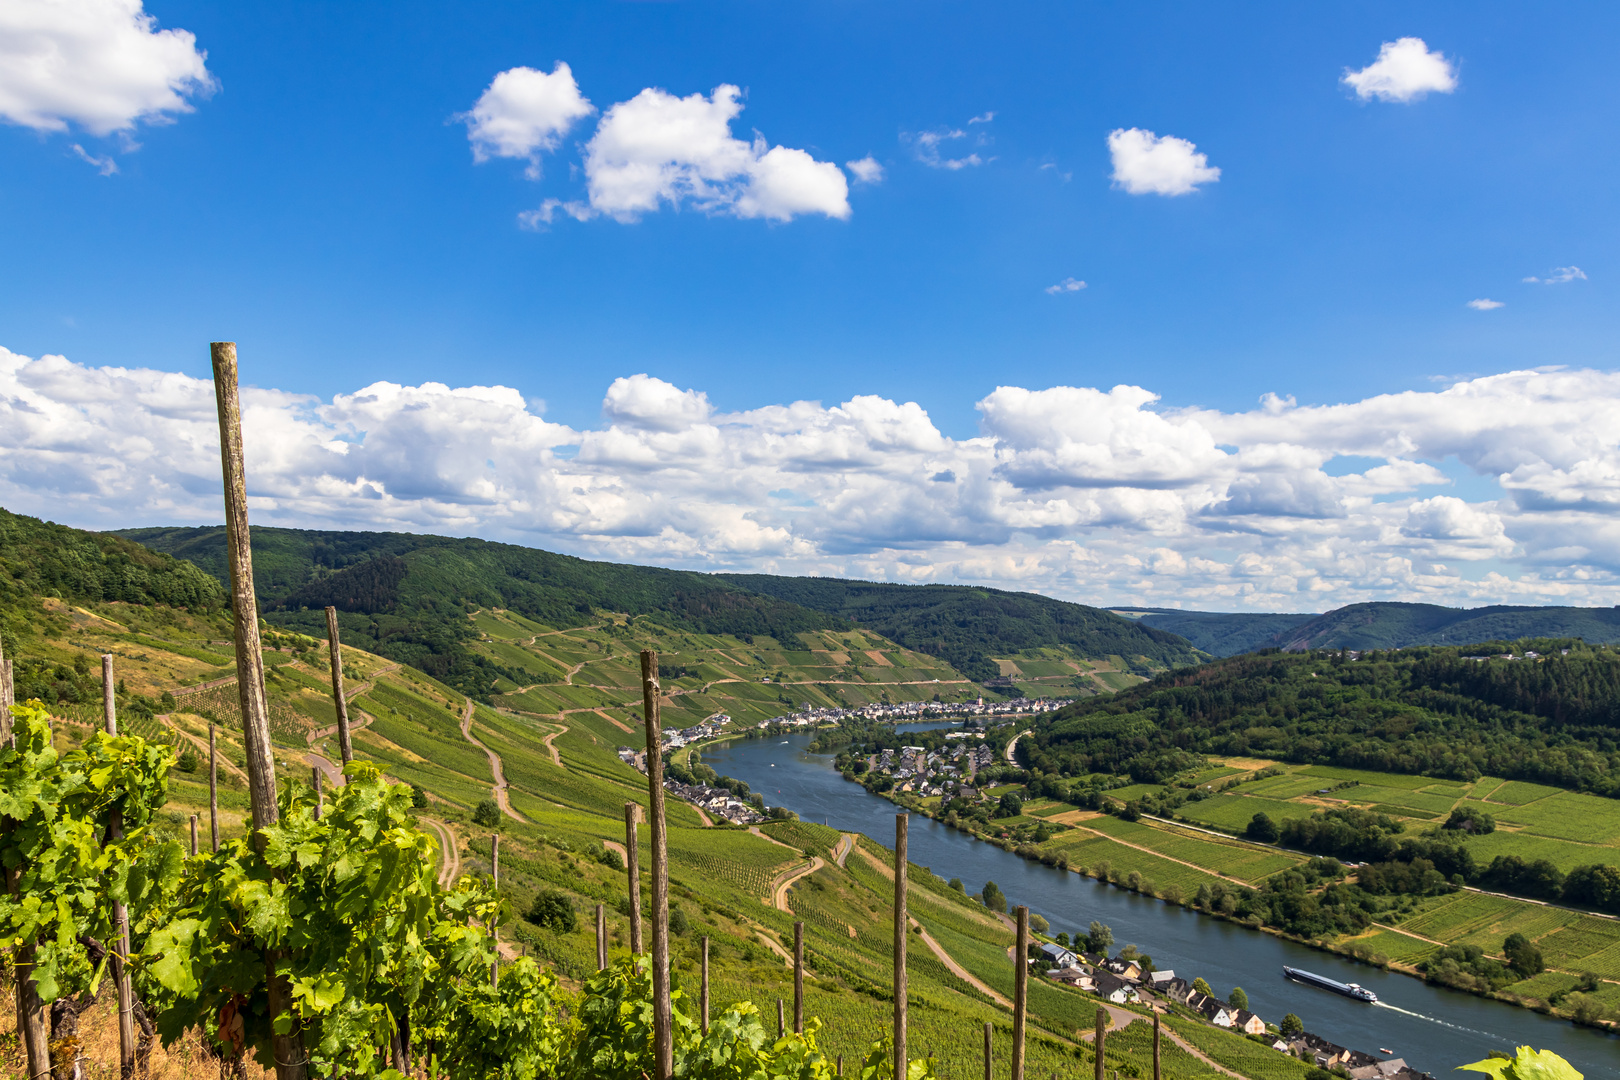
[[1405, 71], [867, 170], [104, 165], [658, 149], [525, 113], [100, 65], [1148, 164], [1091, 494], [1560, 276], [1067, 285], [1483, 304]]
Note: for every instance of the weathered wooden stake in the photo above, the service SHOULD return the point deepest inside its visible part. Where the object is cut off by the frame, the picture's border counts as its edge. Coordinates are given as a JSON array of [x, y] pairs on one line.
[[6, 699], [495, 858], [194, 834], [320, 793], [703, 995], [632, 868], [1020, 992], [120, 935], [288, 1049], [1099, 1038], [987, 1050], [213, 787], [1157, 1073], [663, 1047], [901, 926], [601, 937], [840, 1072], [32, 1021], [798, 978], [345, 749], [781, 1023]]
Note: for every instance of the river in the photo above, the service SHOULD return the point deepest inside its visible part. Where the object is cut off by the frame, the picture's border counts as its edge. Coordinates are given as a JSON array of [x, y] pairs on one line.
[[1433, 1028]]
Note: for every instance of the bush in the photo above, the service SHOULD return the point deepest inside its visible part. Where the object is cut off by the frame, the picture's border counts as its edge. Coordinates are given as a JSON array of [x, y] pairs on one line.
[[1291, 1025], [1263, 829], [678, 922], [552, 910], [992, 897], [487, 813], [419, 797], [188, 761], [1523, 957], [1038, 923]]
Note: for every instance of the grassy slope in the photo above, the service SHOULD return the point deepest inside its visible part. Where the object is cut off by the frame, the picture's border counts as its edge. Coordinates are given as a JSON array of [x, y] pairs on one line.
[[719, 876]]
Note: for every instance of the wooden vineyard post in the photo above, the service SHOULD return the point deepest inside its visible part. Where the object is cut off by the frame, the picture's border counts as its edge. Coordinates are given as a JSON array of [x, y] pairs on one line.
[[840, 1067], [345, 749], [601, 937], [1099, 1038], [5, 697], [119, 961], [703, 995], [632, 869], [194, 835], [213, 787], [987, 1050], [320, 792], [781, 1020], [798, 978], [1157, 1073], [494, 931], [900, 927], [663, 1047], [1020, 992], [291, 1061]]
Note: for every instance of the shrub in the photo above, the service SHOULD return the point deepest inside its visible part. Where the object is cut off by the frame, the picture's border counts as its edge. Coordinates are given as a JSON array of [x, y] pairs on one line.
[[552, 910], [1263, 829], [188, 761], [419, 797], [487, 813]]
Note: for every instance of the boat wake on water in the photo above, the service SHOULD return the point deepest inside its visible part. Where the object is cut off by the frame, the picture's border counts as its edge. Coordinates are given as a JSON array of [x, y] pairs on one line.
[[1442, 1023]]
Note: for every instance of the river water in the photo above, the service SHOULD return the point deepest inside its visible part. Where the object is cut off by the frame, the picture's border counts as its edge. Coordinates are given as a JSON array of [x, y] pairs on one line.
[[1433, 1028]]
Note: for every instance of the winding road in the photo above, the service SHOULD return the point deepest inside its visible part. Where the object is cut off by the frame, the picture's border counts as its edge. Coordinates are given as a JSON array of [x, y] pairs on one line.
[[494, 764]]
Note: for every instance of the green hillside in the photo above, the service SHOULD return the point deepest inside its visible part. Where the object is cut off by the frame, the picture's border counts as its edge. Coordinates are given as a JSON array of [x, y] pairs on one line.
[[1394, 626], [1549, 718], [407, 596], [1219, 633], [970, 627], [1377, 626]]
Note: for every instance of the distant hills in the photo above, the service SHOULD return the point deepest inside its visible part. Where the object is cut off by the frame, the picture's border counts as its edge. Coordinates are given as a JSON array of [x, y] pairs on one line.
[[1384, 625], [967, 625], [407, 597]]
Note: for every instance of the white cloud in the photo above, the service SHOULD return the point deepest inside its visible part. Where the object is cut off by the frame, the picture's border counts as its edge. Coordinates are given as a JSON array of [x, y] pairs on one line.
[[657, 148], [525, 113], [1405, 71], [867, 170], [983, 118], [929, 145], [104, 165], [1067, 285], [1146, 164], [1485, 305], [1095, 495], [1560, 276], [99, 64]]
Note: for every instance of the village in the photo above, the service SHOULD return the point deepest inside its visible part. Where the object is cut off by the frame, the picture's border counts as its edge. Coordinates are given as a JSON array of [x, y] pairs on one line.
[[947, 773], [1129, 979]]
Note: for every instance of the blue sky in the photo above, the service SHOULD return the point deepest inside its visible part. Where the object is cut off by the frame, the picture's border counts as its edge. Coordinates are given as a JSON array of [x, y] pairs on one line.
[[315, 196]]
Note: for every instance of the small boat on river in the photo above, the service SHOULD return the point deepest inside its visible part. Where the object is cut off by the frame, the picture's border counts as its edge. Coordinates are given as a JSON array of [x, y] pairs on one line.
[[1349, 990]]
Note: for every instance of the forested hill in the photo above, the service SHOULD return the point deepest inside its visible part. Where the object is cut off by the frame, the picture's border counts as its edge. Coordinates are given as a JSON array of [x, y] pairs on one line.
[[1220, 633], [406, 596], [1393, 626], [967, 625], [1553, 718], [41, 559]]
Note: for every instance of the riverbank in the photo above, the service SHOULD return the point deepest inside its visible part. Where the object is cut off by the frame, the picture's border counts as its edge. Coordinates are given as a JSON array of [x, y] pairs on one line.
[[1359, 948]]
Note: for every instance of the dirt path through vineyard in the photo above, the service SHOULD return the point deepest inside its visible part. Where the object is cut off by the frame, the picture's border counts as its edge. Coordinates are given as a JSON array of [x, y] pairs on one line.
[[494, 764]]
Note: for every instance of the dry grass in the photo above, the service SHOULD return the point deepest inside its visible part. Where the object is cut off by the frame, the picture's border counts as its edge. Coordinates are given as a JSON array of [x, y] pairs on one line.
[[98, 1035]]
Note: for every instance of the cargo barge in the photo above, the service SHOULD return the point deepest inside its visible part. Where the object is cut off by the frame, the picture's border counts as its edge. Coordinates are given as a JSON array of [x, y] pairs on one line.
[[1349, 990]]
